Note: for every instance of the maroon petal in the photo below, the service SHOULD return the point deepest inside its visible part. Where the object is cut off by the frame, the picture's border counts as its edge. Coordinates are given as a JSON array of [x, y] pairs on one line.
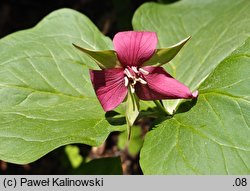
[[134, 48], [109, 87], [161, 85]]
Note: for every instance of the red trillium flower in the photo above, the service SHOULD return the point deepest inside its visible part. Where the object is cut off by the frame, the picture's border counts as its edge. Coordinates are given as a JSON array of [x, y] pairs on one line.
[[133, 49]]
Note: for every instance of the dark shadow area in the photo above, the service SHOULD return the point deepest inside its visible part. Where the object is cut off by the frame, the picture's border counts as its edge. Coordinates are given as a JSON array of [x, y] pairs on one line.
[[158, 121], [186, 106], [167, 1], [156, 117], [115, 118], [109, 16], [101, 166]]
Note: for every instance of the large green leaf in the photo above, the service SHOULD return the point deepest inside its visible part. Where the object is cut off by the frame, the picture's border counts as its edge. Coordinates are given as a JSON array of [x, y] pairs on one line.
[[213, 136], [46, 98], [217, 29]]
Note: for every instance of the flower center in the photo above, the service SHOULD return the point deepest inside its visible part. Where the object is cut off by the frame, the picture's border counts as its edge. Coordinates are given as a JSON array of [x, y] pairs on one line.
[[134, 75]]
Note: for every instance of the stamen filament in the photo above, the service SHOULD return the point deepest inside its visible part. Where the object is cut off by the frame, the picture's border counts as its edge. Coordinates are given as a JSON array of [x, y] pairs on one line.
[[134, 82], [132, 89]]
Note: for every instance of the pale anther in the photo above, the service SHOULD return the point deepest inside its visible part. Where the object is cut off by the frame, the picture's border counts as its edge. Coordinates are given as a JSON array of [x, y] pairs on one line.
[[127, 72], [141, 81], [143, 71], [126, 81], [135, 69]]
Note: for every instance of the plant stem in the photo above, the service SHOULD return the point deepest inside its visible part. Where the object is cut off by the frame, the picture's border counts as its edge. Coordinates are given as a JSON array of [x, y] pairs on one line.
[[160, 107]]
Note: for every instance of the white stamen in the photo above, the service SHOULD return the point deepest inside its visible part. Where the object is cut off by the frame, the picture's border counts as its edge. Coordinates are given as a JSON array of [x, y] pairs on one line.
[[132, 89], [131, 80], [126, 81], [127, 72], [143, 71], [135, 69], [141, 80]]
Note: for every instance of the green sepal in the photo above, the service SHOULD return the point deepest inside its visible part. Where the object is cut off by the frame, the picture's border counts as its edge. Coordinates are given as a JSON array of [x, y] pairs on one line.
[[103, 58], [132, 110], [164, 55]]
